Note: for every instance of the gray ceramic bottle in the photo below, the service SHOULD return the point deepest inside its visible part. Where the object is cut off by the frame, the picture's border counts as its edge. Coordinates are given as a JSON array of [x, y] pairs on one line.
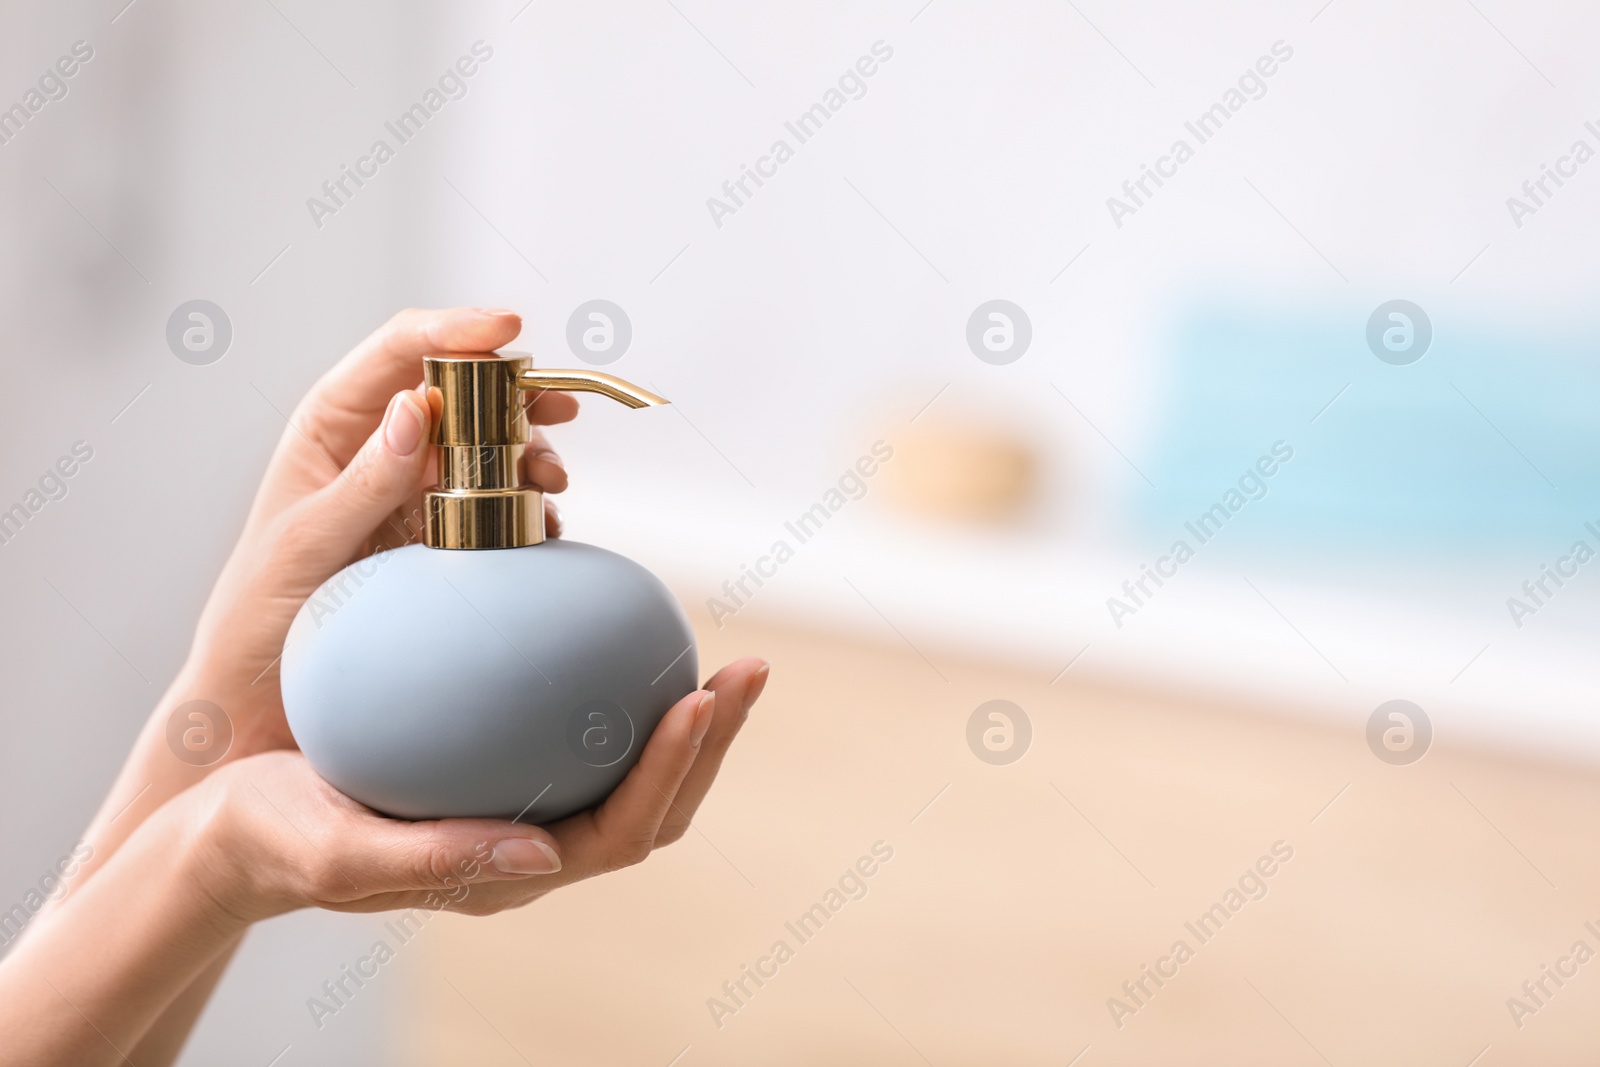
[[488, 671]]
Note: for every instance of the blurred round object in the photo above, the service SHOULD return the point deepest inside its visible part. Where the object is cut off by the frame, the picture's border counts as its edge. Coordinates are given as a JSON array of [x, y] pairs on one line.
[[961, 471]]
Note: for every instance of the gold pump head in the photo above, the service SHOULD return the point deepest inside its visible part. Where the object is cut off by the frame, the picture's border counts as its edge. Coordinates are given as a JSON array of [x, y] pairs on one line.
[[481, 500]]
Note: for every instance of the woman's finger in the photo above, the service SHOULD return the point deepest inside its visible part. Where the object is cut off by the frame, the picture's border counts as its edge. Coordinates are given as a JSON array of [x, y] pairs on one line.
[[737, 687], [404, 525], [542, 466], [329, 528], [300, 842], [341, 409], [547, 407], [622, 831], [634, 811], [369, 855]]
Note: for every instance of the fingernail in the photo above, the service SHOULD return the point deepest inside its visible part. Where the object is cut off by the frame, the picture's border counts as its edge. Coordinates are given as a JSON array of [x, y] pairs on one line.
[[402, 425], [702, 719], [495, 311], [519, 855], [758, 684]]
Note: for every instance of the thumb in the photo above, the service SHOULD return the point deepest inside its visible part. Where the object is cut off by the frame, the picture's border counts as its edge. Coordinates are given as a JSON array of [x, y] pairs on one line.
[[449, 854], [333, 524]]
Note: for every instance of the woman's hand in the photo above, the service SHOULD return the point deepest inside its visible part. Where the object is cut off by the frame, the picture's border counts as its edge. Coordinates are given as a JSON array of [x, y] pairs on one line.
[[276, 837], [185, 857], [118, 964], [346, 480]]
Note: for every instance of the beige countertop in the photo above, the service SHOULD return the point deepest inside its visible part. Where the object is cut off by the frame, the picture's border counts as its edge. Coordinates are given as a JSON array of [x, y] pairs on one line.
[[1417, 899]]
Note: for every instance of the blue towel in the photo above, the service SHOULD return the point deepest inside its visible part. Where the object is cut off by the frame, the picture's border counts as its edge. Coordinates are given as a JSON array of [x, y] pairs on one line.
[[1488, 447]]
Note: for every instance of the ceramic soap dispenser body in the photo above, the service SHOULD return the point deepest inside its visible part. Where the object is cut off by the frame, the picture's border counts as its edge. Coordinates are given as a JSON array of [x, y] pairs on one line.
[[486, 672]]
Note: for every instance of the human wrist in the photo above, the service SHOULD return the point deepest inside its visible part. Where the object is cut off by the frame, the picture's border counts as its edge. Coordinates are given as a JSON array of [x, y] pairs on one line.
[[119, 950], [212, 714], [171, 871], [210, 843]]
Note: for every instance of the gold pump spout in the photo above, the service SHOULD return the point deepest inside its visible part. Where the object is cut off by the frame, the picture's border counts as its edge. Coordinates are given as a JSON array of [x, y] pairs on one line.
[[483, 499], [590, 381]]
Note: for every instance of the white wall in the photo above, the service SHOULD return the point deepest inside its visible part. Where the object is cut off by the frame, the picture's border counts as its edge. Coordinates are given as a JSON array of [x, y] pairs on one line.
[[1375, 164]]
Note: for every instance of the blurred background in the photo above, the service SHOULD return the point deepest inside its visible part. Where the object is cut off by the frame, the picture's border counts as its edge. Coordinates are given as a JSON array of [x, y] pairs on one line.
[[1302, 287]]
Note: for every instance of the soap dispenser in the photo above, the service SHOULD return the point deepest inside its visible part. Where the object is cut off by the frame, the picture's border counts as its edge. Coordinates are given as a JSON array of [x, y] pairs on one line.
[[486, 672]]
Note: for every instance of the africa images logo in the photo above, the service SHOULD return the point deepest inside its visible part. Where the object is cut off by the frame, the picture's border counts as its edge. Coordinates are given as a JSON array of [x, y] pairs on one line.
[[804, 127], [452, 85], [1251, 85]]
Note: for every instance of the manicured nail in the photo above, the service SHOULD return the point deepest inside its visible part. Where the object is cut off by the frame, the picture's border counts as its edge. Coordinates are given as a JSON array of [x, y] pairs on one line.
[[702, 719], [495, 311], [402, 424], [519, 855]]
